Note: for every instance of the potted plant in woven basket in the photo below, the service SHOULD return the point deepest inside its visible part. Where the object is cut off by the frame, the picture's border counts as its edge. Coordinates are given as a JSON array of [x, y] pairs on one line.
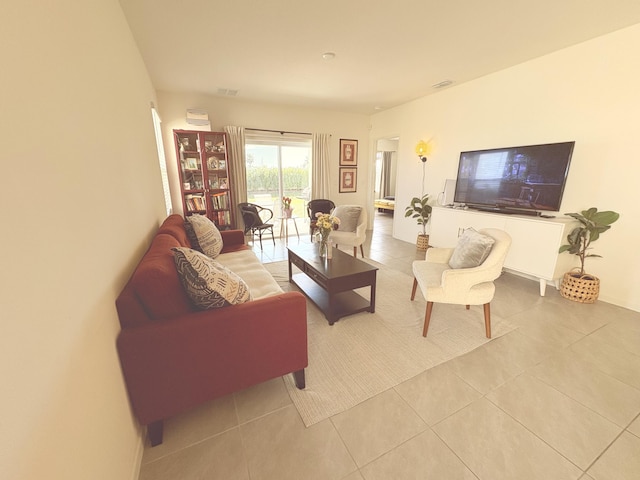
[[577, 285], [421, 211]]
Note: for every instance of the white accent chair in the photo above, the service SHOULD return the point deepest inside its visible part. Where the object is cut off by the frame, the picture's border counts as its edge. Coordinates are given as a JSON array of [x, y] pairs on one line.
[[439, 283], [353, 239]]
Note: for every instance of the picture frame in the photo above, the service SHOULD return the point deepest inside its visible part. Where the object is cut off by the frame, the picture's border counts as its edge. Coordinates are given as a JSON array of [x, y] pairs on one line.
[[348, 152], [190, 163], [212, 163], [348, 179]]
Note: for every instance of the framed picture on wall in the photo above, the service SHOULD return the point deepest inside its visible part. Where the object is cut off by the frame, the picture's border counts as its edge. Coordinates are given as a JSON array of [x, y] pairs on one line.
[[348, 152], [348, 179]]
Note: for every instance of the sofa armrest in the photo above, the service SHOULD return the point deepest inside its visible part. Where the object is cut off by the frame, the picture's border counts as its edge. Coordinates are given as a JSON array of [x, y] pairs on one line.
[[232, 240], [174, 365]]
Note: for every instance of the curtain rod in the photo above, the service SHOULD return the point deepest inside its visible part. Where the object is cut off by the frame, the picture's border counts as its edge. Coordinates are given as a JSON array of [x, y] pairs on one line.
[[281, 132]]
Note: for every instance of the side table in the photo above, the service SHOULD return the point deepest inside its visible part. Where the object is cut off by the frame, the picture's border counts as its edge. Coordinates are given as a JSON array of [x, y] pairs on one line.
[[284, 227]]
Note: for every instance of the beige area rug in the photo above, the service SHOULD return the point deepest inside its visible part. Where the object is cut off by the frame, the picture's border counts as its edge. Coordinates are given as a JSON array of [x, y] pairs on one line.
[[365, 354]]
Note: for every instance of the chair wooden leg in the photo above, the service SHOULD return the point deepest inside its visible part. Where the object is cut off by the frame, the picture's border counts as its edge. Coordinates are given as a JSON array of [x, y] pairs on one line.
[[427, 318], [355, 252], [413, 290], [362, 250], [487, 320]]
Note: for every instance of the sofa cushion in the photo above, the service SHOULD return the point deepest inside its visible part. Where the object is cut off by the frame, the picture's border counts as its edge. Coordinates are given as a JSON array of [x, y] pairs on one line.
[[349, 216], [207, 234], [472, 249], [208, 283], [247, 266]]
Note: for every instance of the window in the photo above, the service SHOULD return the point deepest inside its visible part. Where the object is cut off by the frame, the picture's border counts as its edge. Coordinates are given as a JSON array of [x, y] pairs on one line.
[[278, 165], [162, 161]]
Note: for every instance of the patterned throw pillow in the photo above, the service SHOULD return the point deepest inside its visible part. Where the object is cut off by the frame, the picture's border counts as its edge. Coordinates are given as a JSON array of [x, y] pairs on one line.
[[208, 235], [349, 216], [473, 248], [207, 283], [191, 235]]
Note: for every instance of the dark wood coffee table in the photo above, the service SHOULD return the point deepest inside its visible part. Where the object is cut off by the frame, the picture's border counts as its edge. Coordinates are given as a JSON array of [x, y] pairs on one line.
[[330, 284]]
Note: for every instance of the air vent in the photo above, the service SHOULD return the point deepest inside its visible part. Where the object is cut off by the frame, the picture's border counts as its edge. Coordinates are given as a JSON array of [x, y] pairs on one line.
[[227, 92]]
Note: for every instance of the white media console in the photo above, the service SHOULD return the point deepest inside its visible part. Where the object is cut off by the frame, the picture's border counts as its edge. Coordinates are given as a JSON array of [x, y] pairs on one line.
[[535, 240]]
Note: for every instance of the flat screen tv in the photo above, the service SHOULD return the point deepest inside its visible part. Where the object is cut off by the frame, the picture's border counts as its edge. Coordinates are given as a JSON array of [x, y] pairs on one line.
[[528, 179]]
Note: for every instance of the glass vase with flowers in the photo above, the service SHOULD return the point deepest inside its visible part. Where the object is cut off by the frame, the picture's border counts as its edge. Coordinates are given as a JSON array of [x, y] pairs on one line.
[[325, 223], [286, 207]]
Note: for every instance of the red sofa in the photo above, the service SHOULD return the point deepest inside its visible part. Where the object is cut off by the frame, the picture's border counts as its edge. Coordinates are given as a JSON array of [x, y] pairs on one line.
[[175, 357]]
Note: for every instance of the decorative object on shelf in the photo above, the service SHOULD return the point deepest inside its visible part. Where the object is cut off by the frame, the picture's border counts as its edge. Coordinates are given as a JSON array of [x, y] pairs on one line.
[[212, 163], [577, 285], [348, 180], [420, 209], [191, 163], [325, 224], [348, 152]]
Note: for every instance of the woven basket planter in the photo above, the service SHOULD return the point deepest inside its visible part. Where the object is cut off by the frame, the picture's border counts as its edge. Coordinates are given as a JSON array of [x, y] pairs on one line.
[[580, 288], [422, 243]]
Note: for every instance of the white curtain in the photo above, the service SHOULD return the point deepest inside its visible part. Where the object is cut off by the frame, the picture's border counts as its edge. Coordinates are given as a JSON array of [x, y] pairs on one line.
[[238, 174], [321, 156]]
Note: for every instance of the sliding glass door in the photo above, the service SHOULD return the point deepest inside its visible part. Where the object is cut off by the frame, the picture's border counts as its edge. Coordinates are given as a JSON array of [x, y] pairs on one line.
[[278, 165]]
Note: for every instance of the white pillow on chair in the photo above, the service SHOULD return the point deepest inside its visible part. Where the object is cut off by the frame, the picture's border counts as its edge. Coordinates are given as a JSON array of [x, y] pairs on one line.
[[473, 248], [349, 216]]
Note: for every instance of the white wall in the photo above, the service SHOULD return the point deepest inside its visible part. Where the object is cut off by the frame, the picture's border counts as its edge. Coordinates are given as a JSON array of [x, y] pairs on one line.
[[224, 111], [588, 93], [81, 194]]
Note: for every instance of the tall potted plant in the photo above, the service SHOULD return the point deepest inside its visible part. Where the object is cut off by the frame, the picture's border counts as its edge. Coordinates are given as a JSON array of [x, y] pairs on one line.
[[580, 286], [420, 209]]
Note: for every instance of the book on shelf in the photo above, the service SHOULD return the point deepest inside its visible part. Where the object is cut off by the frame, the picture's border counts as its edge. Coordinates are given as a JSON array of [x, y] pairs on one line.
[[220, 201], [195, 203], [223, 217]]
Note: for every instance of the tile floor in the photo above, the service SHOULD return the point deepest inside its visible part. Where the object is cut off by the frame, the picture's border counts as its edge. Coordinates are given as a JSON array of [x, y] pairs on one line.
[[558, 398]]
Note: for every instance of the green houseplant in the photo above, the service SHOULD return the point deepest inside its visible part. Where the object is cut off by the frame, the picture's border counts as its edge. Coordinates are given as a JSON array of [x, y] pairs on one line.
[[420, 209], [579, 285]]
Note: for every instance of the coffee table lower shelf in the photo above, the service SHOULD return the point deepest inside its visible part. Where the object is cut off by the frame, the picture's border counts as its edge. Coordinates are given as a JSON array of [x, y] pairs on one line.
[[342, 303]]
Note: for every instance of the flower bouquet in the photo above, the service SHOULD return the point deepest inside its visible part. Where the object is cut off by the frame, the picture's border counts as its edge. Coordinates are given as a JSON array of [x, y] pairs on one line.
[[286, 207], [326, 223]]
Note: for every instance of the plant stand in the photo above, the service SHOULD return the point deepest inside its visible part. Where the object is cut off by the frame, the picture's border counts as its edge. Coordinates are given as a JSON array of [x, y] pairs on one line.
[[580, 288], [423, 242]]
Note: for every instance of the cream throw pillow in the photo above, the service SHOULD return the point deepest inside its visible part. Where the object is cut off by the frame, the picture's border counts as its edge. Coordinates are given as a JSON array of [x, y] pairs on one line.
[[207, 283], [473, 248], [208, 235], [349, 216]]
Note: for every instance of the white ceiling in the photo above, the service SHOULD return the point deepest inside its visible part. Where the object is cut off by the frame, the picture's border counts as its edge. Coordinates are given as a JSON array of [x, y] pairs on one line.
[[387, 53]]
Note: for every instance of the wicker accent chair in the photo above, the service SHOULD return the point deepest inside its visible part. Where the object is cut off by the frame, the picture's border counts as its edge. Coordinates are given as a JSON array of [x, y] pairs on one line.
[[319, 205], [256, 220]]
